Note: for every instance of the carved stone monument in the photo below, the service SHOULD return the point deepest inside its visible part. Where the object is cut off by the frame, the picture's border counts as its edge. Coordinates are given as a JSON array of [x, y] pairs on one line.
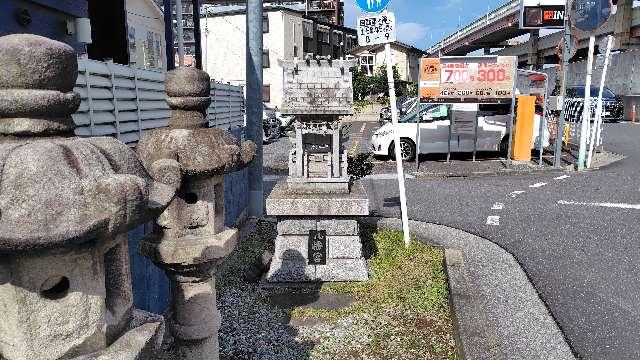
[[190, 240], [318, 236], [66, 205]]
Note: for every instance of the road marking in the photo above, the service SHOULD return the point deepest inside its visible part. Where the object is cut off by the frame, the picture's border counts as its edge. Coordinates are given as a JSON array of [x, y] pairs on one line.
[[493, 220], [364, 125], [273, 178], [391, 176], [562, 177], [605, 204], [516, 193], [537, 185], [497, 206]]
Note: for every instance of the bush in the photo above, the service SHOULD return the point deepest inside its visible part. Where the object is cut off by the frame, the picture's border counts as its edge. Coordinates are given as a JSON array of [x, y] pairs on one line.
[[359, 166]]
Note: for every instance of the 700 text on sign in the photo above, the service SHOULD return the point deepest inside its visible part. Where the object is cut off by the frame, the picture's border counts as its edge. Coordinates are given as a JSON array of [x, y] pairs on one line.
[[467, 79]]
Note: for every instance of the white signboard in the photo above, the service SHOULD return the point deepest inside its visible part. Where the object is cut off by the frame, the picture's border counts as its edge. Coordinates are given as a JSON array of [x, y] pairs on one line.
[[377, 29]]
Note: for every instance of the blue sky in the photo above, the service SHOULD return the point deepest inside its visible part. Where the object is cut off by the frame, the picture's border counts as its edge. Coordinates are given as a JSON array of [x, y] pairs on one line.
[[422, 22]]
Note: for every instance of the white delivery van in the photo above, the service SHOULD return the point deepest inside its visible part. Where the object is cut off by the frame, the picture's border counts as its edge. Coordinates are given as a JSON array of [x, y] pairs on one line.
[[435, 120]]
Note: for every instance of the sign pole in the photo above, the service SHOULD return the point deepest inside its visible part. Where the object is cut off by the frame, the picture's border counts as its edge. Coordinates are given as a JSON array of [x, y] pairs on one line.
[[557, 153], [598, 120], [586, 107], [475, 139], [418, 135], [396, 144], [543, 120], [513, 108], [449, 142]]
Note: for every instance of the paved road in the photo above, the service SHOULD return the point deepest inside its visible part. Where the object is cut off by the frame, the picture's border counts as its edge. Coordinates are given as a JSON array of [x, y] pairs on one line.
[[576, 237]]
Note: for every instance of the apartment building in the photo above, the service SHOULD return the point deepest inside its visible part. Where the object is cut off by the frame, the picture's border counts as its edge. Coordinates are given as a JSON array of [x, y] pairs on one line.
[[287, 34]]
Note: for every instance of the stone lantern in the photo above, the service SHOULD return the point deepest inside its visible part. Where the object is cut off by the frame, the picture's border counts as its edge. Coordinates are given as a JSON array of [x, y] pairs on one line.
[[190, 240], [66, 204]]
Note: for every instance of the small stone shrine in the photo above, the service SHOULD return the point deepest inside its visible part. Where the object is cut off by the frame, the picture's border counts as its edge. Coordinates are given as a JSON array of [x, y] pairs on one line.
[[318, 236], [190, 240], [66, 204]]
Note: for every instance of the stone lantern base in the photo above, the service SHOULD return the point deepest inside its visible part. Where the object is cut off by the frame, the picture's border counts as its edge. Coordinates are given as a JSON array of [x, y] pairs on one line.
[[328, 215]]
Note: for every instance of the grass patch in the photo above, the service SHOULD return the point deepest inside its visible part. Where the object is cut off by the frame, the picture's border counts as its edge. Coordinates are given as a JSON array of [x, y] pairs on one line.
[[407, 294]]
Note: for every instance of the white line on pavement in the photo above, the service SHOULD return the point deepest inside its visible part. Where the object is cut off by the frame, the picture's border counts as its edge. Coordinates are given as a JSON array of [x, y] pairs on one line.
[[497, 206], [516, 193], [493, 220], [605, 204], [561, 177], [611, 205], [391, 176], [537, 185]]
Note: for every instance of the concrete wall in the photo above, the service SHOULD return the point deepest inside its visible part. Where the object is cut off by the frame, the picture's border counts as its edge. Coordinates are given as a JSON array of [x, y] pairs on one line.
[[144, 16]]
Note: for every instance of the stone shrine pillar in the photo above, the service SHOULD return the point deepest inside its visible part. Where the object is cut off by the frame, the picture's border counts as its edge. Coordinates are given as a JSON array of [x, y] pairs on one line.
[[318, 236], [66, 204], [189, 240]]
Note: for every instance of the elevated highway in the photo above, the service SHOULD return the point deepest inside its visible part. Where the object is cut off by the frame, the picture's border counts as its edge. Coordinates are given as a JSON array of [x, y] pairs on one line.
[[493, 29]]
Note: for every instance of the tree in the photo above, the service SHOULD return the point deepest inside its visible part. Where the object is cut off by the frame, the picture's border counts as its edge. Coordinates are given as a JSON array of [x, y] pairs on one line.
[[375, 85]]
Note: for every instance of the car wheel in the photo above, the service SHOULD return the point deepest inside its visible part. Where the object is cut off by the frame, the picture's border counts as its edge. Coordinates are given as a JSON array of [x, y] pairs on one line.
[[504, 146], [407, 149]]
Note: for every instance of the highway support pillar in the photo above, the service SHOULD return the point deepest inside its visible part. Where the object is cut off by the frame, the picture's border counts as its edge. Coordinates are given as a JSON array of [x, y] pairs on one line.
[[533, 57], [622, 26]]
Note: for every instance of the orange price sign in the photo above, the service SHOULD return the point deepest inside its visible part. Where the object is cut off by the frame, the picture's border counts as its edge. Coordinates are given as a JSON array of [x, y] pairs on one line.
[[429, 77], [468, 79]]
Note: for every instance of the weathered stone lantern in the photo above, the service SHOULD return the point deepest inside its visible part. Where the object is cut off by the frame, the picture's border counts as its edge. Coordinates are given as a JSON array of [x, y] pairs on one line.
[[66, 204], [189, 240]]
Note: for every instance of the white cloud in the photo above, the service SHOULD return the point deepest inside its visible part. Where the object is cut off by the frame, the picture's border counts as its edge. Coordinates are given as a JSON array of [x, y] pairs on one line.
[[410, 32]]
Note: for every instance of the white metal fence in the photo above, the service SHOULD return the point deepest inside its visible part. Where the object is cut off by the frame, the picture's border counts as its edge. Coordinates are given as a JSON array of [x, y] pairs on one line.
[[125, 102]]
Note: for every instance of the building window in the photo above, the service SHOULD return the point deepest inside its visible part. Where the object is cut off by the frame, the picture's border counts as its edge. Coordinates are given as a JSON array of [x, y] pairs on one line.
[[295, 51], [265, 59], [367, 64], [265, 24], [323, 36], [307, 29], [266, 93]]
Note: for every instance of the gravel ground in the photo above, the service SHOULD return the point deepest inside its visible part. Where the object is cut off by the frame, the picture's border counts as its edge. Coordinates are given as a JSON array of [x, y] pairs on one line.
[[254, 328]]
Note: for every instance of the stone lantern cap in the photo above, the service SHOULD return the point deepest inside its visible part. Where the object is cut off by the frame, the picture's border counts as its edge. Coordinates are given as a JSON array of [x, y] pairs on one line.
[[201, 151], [55, 189]]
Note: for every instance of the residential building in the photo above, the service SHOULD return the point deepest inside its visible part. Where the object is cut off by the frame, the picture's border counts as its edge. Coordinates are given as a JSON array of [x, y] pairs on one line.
[[145, 28], [326, 11], [287, 34], [188, 35], [405, 58]]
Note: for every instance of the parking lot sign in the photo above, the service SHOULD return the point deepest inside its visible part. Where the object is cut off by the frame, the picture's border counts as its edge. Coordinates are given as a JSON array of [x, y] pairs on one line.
[[377, 29]]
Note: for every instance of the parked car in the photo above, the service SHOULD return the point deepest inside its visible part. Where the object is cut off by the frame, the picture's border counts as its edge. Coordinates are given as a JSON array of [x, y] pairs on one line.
[[270, 124], [434, 132], [404, 106], [612, 105]]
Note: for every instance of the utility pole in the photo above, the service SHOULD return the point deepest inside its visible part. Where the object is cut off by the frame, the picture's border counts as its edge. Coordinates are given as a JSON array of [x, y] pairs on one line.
[[168, 33], [254, 103], [196, 33]]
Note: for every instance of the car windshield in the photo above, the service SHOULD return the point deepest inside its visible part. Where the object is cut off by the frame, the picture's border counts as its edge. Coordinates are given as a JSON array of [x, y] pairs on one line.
[[436, 110], [578, 91]]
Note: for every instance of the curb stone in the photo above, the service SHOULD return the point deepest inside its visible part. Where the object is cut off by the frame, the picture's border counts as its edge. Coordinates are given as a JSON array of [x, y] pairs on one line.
[[497, 311]]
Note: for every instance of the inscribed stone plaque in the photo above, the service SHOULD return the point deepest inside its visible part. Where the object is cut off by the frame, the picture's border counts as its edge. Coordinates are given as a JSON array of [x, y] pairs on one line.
[[317, 247], [317, 87]]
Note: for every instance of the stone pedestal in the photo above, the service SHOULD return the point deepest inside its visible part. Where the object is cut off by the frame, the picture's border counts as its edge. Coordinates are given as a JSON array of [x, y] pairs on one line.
[[330, 214]]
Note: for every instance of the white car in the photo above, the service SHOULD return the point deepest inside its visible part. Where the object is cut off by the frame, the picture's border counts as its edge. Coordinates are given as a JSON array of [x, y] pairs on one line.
[[434, 133]]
